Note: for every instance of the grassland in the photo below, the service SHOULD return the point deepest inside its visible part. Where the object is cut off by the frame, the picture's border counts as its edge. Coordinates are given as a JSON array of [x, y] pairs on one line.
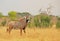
[[32, 34]]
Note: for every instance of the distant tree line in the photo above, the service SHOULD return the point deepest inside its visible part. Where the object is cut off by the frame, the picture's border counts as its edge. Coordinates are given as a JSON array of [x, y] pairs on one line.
[[43, 20]]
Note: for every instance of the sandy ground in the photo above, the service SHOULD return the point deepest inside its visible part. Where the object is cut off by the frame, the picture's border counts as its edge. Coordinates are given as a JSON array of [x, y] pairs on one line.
[[31, 34]]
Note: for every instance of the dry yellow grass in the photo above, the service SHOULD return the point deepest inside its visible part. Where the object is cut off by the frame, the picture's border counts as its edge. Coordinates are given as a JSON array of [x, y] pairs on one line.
[[31, 35]]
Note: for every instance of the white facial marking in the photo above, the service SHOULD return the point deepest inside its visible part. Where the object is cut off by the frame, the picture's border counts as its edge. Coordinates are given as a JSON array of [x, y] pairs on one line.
[[24, 17]]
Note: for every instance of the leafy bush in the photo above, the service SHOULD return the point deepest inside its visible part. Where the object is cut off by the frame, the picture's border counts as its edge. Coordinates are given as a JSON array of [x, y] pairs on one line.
[[58, 24], [12, 15], [3, 23], [45, 21], [36, 22]]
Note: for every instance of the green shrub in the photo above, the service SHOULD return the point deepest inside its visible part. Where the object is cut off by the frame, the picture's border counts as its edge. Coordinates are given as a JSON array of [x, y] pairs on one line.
[[36, 22], [58, 24], [3, 23], [45, 21]]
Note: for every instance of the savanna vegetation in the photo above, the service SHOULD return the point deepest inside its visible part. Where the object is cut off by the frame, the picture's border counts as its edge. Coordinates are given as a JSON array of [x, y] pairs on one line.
[[43, 20], [40, 28]]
